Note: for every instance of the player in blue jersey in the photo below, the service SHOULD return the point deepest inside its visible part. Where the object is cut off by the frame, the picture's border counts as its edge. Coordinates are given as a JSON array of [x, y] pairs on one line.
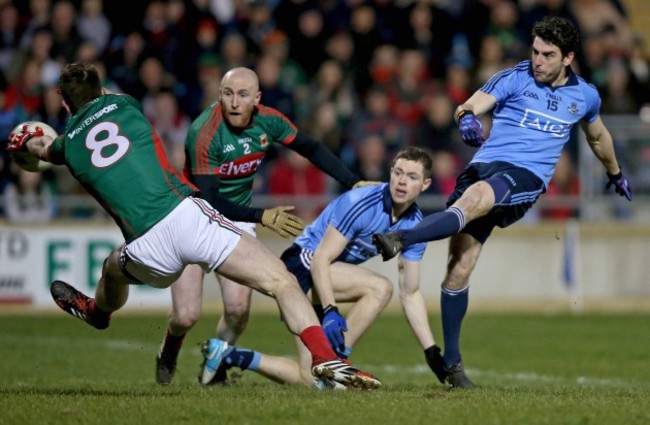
[[536, 103], [325, 258]]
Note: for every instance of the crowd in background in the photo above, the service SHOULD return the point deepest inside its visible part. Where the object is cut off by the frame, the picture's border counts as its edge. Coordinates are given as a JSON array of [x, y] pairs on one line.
[[365, 77]]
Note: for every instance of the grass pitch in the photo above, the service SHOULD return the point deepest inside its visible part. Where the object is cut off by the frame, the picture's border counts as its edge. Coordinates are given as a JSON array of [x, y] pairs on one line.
[[530, 369]]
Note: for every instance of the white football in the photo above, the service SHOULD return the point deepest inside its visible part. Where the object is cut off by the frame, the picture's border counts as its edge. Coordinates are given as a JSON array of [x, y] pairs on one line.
[[24, 159]]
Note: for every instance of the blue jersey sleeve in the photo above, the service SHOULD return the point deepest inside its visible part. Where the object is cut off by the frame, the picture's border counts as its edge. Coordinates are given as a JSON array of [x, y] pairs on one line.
[[414, 252]]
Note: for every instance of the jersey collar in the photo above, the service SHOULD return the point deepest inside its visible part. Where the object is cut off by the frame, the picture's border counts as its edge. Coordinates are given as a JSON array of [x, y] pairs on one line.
[[388, 204]]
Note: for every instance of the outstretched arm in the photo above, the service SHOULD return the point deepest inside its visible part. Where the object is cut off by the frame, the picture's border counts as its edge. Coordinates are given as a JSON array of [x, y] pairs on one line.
[[277, 219], [478, 104], [413, 302], [35, 143]]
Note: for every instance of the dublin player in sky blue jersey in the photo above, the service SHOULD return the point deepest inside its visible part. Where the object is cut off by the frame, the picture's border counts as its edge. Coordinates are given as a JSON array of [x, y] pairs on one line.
[[536, 103], [325, 258]]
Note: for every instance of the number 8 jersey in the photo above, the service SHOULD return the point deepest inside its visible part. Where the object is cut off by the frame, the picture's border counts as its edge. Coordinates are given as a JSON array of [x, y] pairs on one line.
[[112, 150]]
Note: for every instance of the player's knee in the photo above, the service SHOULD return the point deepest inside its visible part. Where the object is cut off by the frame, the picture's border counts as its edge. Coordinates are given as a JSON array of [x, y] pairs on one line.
[[236, 314], [185, 317], [456, 278], [383, 290]]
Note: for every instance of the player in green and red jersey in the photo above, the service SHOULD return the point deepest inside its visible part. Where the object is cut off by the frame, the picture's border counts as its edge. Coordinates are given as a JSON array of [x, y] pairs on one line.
[[224, 148], [109, 146]]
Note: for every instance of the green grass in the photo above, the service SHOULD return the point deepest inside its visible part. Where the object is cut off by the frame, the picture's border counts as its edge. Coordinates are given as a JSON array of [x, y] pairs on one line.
[[531, 369]]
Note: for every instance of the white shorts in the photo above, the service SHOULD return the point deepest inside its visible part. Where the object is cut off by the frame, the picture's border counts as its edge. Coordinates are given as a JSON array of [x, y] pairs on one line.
[[193, 233], [246, 227]]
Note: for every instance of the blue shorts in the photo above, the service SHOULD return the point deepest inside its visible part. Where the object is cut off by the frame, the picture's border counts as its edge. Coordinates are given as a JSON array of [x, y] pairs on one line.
[[516, 190], [297, 261]]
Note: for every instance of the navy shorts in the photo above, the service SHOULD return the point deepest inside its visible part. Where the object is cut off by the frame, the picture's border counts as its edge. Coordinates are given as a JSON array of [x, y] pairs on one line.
[[295, 258], [516, 190]]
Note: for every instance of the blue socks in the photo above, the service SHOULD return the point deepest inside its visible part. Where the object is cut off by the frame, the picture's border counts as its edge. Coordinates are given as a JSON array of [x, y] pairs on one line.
[[242, 358], [436, 226], [453, 306]]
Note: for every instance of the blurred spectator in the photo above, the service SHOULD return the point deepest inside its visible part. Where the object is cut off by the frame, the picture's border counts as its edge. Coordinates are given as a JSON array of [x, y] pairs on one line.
[[153, 79], [384, 65], [323, 125], [123, 63], [330, 85], [474, 22], [38, 49], [540, 9], [38, 17], [234, 52], [617, 98], [25, 95], [639, 73], [292, 75], [376, 118], [293, 175], [437, 130], [209, 79], [159, 38], [64, 30], [27, 199], [410, 89], [458, 83], [596, 17], [51, 111], [365, 34], [503, 25], [268, 71], [371, 161], [490, 61], [308, 42], [431, 32], [594, 67], [565, 182], [9, 116], [93, 25], [10, 34], [444, 172], [260, 23], [171, 125], [87, 52]]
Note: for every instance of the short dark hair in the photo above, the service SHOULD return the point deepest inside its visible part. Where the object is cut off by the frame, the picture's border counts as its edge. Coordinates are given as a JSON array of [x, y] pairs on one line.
[[418, 155], [558, 31], [79, 84]]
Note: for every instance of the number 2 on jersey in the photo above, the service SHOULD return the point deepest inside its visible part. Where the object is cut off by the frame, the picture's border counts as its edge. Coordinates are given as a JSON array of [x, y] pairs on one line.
[[97, 147]]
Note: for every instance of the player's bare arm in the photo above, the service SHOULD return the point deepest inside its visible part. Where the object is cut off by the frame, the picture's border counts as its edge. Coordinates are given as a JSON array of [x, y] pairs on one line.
[[412, 301], [602, 144], [478, 104], [330, 247]]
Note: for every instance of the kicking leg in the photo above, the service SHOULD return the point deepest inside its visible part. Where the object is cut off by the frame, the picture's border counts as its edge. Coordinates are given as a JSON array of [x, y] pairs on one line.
[[110, 295]]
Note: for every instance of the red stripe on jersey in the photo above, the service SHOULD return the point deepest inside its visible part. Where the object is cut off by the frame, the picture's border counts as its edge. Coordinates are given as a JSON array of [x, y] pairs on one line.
[[290, 138], [266, 110], [204, 139], [164, 164]]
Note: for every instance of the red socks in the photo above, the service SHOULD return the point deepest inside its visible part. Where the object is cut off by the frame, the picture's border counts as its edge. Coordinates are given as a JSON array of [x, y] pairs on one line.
[[316, 342], [172, 343]]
